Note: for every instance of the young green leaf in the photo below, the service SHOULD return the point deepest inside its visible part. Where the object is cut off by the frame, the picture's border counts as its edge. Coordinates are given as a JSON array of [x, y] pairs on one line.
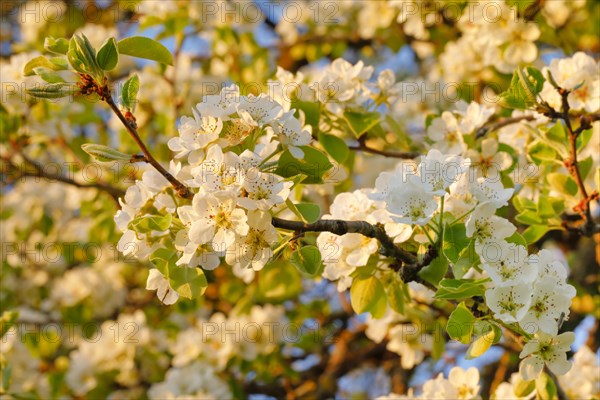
[[48, 75], [310, 212], [52, 90], [82, 56], [335, 147], [56, 45], [143, 47], [108, 55], [308, 260], [360, 123], [40, 61], [104, 153], [460, 324], [366, 293], [130, 91], [189, 282], [149, 223]]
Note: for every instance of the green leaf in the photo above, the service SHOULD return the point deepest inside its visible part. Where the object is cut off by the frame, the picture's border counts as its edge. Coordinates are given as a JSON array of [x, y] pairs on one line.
[[278, 281], [161, 258], [584, 138], [524, 87], [535, 232], [312, 112], [335, 147], [366, 294], [104, 153], [455, 289], [143, 47], [585, 166], [562, 183], [314, 165], [522, 204], [360, 123], [517, 239], [308, 260], [108, 55], [455, 240], [528, 217], [540, 152], [395, 294], [82, 56], [310, 212], [40, 61], [149, 223], [48, 75], [130, 91], [460, 324], [52, 90], [188, 282], [435, 271], [56, 45], [557, 133]]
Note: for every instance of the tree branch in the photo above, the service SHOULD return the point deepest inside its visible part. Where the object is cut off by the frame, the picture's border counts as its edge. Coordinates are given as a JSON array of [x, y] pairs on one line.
[[129, 123], [362, 146], [572, 164], [484, 130], [340, 227], [39, 172]]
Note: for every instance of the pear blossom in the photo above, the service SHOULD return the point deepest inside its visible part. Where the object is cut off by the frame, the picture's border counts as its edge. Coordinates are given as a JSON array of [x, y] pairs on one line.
[[219, 220], [254, 249], [439, 171], [465, 382], [218, 171], [474, 116], [165, 293], [509, 303], [549, 305], [490, 190], [506, 264], [258, 110], [445, 134], [292, 134], [410, 343], [264, 191], [195, 134], [489, 162], [547, 350], [580, 74], [484, 226]]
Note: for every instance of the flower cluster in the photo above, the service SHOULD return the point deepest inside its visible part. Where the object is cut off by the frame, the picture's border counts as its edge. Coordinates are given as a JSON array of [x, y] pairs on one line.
[[343, 254], [461, 384]]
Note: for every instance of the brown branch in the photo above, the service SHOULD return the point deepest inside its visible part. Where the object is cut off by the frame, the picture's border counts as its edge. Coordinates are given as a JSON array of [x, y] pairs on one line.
[[39, 172], [340, 227], [572, 164], [484, 130], [129, 123], [362, 146]]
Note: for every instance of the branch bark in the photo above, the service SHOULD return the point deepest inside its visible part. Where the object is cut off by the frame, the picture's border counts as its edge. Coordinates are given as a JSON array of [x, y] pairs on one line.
[[484, 130], [340, 227], [572, 164]]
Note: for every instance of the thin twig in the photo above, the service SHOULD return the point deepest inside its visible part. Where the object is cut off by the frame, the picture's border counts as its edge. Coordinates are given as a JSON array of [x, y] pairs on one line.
[[484, 130], [362, 146]]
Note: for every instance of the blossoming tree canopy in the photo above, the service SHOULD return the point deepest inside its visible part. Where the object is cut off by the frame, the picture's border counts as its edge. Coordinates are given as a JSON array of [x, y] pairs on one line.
[[367, 199]]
